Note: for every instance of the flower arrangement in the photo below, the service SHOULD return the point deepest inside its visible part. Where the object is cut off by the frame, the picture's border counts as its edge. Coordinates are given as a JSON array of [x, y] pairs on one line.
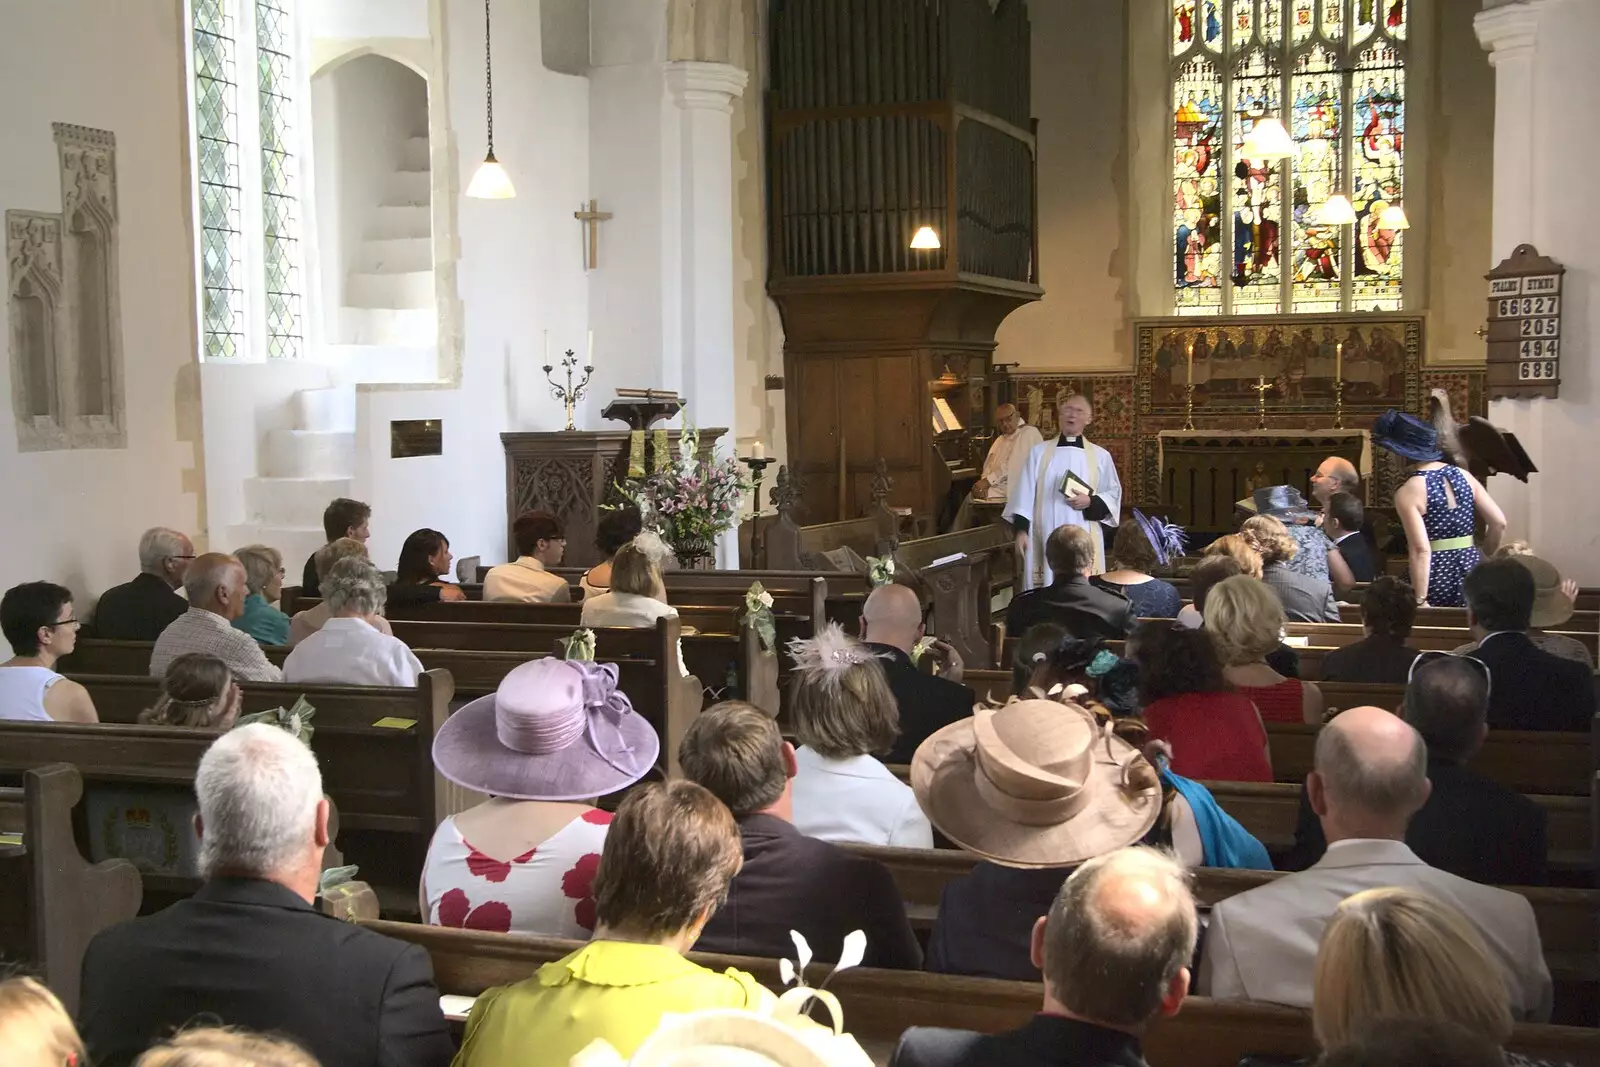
[[880, 570], [691, 501], [758, 615], [295, 720]]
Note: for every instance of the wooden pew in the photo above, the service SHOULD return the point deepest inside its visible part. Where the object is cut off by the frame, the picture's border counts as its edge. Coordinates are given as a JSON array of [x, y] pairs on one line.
[[52, 900], [879, 1005], [1423, 638], [958, 571], [1581, 621]]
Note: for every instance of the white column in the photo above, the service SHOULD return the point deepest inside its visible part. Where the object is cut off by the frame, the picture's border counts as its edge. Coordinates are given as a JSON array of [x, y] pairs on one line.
[[703, 95], [1547, 95]]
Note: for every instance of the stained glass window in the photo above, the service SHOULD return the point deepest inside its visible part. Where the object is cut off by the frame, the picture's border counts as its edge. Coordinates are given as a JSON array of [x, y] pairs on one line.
[[1250, 237], [246, 181]]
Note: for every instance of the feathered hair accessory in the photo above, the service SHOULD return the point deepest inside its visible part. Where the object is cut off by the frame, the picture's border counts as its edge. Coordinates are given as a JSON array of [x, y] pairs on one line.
[[1167, 538], [650, 543], [829, 654]]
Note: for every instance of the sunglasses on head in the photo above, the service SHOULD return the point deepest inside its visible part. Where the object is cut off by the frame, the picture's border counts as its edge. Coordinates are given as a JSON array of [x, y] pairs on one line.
[[1433, 655]]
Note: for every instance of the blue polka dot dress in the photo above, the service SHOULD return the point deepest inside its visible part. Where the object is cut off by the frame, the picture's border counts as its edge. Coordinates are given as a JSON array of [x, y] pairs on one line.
[[1447, 569]]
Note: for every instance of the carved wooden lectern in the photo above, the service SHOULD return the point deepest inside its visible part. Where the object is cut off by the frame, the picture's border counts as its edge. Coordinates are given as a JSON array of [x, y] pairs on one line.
[[571, 474]]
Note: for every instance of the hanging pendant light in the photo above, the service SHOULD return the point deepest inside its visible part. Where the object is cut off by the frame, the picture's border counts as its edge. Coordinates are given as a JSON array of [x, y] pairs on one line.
[[1393, 217], [491, 182], [1337, 211], [1267, 141], [926, 239]]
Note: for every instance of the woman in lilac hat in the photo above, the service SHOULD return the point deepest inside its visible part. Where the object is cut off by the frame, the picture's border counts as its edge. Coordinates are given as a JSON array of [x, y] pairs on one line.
[[554, 737]]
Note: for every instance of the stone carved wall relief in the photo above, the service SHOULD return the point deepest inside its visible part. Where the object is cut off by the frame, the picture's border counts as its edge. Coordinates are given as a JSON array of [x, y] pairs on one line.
[[64, 294]]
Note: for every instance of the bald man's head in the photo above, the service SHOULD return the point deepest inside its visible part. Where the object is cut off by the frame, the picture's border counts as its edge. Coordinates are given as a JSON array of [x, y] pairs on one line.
[[1335, 475], [892, 615], [216, 582], [1119, 937], [1371, 774]]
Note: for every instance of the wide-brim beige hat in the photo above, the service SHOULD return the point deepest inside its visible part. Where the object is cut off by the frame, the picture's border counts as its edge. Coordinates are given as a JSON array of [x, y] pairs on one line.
[[1035, 784], [1550, 605]]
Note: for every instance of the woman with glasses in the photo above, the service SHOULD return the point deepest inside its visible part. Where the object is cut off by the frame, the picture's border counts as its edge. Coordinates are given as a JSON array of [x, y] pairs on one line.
[[37, 620], [263, 580]]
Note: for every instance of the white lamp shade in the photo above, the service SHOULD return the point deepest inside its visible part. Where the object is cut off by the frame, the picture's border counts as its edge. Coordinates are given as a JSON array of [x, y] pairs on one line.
[[491, 182], [1337, 211], [926, 239], [1267, 141], [1393, 217]]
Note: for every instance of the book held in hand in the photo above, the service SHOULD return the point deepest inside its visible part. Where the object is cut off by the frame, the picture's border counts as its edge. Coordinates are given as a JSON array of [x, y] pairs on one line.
[[1073, 485]]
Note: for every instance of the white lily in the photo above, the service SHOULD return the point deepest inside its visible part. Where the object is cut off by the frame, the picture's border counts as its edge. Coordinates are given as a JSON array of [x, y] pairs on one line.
[[853, 952], [802, 950], [786, 971]]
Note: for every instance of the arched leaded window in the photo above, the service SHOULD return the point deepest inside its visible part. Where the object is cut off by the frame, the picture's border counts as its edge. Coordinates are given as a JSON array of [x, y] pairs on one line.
[[1253, 237]]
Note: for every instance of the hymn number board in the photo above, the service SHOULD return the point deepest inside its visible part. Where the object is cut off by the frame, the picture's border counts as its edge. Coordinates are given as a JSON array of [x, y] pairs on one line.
[[1524, 333]]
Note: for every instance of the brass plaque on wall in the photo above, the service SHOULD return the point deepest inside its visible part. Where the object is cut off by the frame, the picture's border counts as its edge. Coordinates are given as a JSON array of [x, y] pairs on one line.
[[416, 437]]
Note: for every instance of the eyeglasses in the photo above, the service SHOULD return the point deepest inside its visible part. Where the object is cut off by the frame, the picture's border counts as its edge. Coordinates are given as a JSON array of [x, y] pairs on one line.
[[180, 557], [62, 622], [1433, 654]]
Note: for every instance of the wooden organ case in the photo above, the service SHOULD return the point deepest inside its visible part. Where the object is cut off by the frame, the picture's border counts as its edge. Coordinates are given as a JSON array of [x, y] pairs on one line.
[[885, 117]]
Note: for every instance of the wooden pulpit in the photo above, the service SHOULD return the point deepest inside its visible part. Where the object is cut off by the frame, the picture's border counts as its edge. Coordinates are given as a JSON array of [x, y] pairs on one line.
[[571, 473]]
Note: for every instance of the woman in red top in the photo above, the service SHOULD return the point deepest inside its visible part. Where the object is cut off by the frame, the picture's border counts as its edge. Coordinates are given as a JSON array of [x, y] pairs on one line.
[[1215, 733], [1245, 618]]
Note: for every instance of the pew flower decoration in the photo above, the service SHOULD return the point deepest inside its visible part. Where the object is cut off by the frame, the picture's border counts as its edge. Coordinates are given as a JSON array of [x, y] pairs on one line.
[[296, 720], [758, 615], [578, 645], [880, 570], [336, 876], [691, 501]]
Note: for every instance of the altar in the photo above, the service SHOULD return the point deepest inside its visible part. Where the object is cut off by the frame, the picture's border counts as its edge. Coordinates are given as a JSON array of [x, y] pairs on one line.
[[1204, 472]]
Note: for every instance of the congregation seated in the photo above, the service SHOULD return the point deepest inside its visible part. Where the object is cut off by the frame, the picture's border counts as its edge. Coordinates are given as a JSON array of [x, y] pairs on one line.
[[1239, 549], [1215, 732], [140, 609], [1470, 826], [197, 691], [349, 649], [1052, 663], [1070, 599], [616, 528], [307, 622], [553, 737], [669, 856], [541, 543], [1214, 569], [1382, 657], [1396, 953], [891, 626], [263, 582], [1411, 1042], [1317, 557], [342, 518], [788, 881], [37, 620], [1113, 947], [216, 587], [1369, 779], [1554, 601], [424, 560], [35, 1029], [844, 717], [1246, 622], [1140, 544], [1342, 521], [249, 949], [1530, 689], [1305, 598], [638, 593]]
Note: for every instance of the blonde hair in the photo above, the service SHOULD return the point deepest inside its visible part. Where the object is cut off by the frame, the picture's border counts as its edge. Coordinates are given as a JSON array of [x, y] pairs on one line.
[[1396, 952], [333, 552], [1237, 549], [220, 1047], [633, 571], [1245, 618], [1513, 548], [261, 564], [35, 1030], [843, 711], [1270, 537]]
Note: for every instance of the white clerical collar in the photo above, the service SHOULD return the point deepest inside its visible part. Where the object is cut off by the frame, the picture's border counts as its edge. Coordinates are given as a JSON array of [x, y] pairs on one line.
[[1071, 442]]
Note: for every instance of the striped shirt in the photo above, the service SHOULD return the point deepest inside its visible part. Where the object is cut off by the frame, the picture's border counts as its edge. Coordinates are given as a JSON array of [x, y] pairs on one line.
[[208, 633]]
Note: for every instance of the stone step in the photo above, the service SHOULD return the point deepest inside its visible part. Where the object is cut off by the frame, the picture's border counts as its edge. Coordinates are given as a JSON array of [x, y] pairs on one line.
[[414, 154], [408, 327], [409, 187], [396, 255], [291, 501], [309, 454], [326, 409], [401, 289], [296, 542], [382, 364], [400, 220]]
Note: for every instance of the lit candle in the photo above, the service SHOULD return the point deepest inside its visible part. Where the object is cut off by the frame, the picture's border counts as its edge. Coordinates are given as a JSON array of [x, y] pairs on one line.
[[590, 363], [1338, 361], [1191, 364], [758, 451]]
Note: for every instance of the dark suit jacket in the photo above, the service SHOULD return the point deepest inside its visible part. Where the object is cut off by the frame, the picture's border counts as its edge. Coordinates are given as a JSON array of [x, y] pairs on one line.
[[1086, 610], [1304, 599], [309, 586], [138, 610], [1472, 827], [986, 921], [1358, 556], [793, 882], [1377, 659], [1533, 689], [1047, 1041], [253, 954], [927, 702]]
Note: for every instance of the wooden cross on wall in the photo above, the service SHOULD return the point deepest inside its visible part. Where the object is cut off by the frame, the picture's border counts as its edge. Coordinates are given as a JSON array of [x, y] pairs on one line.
[[591, 220]]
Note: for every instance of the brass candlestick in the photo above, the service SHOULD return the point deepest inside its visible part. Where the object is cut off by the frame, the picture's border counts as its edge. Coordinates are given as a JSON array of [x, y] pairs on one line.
[[1261, 387], [570, 395], [758, 533], [1188, 406], [1338, 403]]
